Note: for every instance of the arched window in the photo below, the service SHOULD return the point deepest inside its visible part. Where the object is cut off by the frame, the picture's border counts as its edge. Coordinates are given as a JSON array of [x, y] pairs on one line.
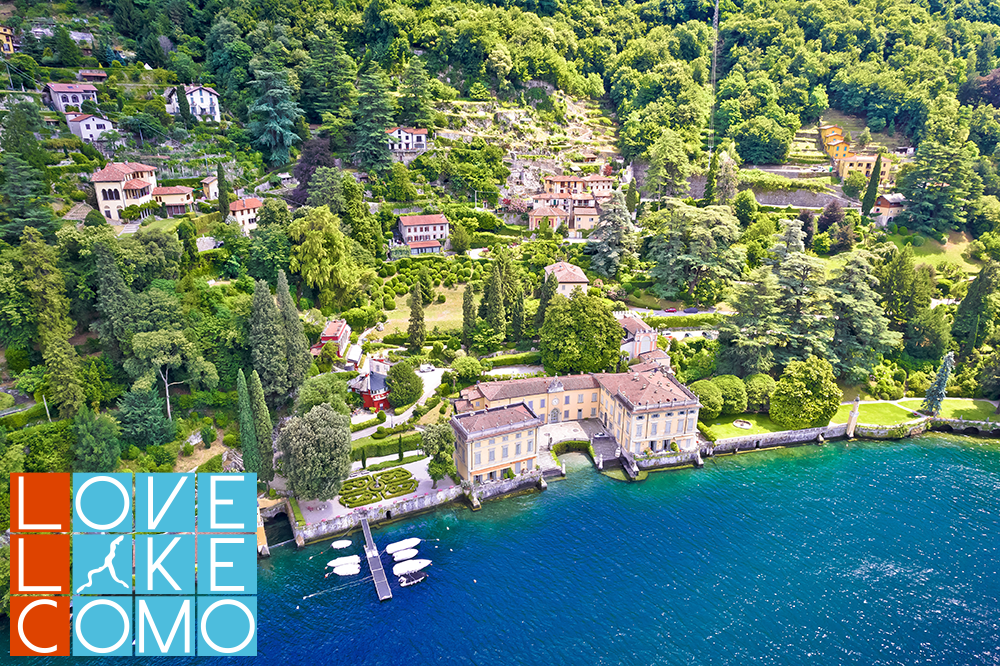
[[118, 195], [107, 213], [65, 99], [75, 99]]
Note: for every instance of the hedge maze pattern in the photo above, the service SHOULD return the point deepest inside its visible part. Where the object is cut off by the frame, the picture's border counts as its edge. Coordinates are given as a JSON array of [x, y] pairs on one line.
[[377, 487]]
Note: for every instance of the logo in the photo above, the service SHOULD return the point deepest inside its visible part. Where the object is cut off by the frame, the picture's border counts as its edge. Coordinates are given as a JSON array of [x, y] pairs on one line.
[[166, 566]]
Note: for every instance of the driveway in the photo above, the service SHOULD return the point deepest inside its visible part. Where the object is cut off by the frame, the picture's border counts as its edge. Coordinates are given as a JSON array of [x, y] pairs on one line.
[[431, 381]]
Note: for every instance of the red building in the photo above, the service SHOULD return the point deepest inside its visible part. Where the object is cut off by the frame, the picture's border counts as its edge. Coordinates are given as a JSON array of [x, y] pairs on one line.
[[370, 384], [337, 332]]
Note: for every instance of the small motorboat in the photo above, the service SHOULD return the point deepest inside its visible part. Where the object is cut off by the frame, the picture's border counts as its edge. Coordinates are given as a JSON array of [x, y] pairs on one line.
[[340, 545], [340, 561], [412, 578], [402, 545], [401, 555], [348, 570], [409, 566]]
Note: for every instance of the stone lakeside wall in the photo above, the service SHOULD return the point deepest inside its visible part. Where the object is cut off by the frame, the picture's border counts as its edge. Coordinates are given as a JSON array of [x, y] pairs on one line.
[[671, 459], [960, 426], [893, 432], [500, 487], [345, 523], [770, 439]]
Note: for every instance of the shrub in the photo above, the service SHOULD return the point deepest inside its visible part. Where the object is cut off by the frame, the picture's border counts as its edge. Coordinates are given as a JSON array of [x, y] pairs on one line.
[[208, 435], [214, 466], [132, 452], [710, 397], [160, 455], [759, 389], [187, 449], [527, 358], [381, 417], [734, 394], [230, 440], [6, 401]]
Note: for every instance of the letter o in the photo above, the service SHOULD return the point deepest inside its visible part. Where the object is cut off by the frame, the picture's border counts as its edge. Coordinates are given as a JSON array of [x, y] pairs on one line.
[[204, 626], [125, 510], [85, 642], [20, 626]]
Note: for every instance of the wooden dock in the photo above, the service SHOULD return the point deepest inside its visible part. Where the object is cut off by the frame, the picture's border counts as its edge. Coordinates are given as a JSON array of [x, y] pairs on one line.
[[375, 564]]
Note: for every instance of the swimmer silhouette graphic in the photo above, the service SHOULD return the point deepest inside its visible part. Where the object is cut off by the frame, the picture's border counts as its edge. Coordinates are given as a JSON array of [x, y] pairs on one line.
[[109, 564]]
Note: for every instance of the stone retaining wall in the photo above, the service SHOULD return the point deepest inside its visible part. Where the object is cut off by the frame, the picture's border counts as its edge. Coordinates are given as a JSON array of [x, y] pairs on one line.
[[770, 439], [892, 432], [672, 459], [493, 489]]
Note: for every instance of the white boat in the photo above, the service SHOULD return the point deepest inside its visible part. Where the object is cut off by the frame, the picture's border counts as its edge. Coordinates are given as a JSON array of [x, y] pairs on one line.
[[410, 566], [409, 579], [340, 561], [340, 545], [348, 570], [401, 555], [402, 545]]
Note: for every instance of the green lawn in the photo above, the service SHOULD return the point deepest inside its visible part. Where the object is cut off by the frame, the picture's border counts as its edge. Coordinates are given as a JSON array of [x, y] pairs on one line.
[[960, 408], [935, 253], [879, 413], [723, 426], [447, 315], [166, 225]]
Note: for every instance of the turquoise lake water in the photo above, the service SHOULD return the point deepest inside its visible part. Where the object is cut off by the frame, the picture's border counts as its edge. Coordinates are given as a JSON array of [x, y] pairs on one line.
[[860, 553]]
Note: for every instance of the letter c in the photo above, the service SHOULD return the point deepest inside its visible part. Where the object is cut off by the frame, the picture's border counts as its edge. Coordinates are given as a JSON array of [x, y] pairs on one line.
[[20, 626]]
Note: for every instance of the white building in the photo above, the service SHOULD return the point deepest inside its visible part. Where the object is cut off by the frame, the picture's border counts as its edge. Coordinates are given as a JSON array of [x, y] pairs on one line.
[[203, 101], [416, 228], [245, 212], [123, 184], [407, 139], [89, 128], [60, 95]]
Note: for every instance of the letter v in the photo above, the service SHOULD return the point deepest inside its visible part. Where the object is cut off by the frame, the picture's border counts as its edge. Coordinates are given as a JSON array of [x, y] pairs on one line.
[[170, 500]]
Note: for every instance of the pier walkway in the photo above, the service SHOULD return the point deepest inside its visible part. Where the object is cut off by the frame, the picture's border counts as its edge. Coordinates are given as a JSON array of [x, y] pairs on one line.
[[375, 564]]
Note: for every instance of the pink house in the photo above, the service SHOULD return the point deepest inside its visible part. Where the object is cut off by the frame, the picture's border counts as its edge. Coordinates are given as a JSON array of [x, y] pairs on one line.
[[639, 337], [338, 332]]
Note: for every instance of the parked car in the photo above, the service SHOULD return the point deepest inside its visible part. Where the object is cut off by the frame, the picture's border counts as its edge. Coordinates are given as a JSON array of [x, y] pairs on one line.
[[671, 310], [691, 310]]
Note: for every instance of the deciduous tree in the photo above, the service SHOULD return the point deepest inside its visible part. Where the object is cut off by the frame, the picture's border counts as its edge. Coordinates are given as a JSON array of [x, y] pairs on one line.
[[806, 396], [157, 353], [405, 387], [317, 452], [580, 334]]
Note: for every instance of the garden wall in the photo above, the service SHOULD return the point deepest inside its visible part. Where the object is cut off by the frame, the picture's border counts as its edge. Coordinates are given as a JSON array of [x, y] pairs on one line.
[[670, 459], [892, 432], [500, 487], [767, 440]]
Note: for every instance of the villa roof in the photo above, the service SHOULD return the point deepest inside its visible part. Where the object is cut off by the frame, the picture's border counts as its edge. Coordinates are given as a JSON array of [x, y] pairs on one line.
[[334, 329], [413, 220], [408, 130], [564, 179], [584, 211], [209, 179], [653, 389], [894, 199], [175, 189], [417, 245], [246, 204], [654, 355], [93, 72], [135, 184], [595, 178], [192, 88], [566, 272], [507, 417], [547, 211], [634, 325], [70, 87], [116, 172], [519, 388]]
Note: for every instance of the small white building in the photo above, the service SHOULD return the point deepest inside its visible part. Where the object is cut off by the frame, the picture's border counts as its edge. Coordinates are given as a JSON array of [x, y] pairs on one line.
[[88, 127], [888, 206], [407, 139], [245, 212], [210, 188], [203, 101], [61, 95], [415, 228]]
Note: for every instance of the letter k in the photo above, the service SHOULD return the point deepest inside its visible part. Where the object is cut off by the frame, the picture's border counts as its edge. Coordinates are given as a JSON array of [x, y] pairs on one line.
[[158, 564]]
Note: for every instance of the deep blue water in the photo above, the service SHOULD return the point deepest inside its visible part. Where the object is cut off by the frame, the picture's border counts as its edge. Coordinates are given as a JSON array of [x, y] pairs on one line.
[[867, 553]]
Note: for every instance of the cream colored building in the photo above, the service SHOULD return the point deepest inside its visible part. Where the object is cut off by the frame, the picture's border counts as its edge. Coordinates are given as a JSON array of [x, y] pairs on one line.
[[490, 441], [568, 276], [210, 188], [245, 212], [864, 165], [177, 199], [122, 184], [583, 219]]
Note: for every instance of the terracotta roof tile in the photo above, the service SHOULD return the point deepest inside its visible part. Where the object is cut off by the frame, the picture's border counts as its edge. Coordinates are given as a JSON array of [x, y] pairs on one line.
[[175, 189], [566, 273], [246, 204], [413, 220], [507, 417]]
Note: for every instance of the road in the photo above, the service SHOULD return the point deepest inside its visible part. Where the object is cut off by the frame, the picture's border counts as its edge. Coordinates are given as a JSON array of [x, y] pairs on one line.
[[431, 381]]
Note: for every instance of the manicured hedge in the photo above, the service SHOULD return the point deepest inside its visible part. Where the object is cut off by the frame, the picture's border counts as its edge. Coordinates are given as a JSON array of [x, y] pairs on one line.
[[527, 358], [203, 399], [18, 420], [581, 445], [700, 320], [386, 447]]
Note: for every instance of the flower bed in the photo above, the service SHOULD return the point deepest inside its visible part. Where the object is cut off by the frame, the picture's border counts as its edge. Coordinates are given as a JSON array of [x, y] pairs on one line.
[[376, 487]]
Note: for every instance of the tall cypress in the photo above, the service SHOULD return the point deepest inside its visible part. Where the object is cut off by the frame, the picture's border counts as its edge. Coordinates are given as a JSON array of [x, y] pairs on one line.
[[263, 428], [517, 315], [974, 319], [296, 343], [868, 201], [496, 314], [549, 289], [417, 329], [938, 390], [220, 175], [248, 433], [267, 343], [469, 315], [183, 107], [713, 174]]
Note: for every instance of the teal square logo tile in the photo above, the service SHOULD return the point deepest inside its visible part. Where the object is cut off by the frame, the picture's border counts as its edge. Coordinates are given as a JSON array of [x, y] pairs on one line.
[[102, 627], [227, 626], [165, 626], [227, 564], [102, 564], [164, 502], [227, 503], [102, 502], [164, 564]]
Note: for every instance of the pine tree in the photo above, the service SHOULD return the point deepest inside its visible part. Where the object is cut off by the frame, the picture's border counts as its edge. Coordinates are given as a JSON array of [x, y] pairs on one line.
[[495, 313], [266, 341], [469, 315], [273, 114], [23, 189], [372, 118], [415, 103], [296, 343], [417, 330], [871, 193], [613, 239], [115, 302], [517, 315], [748, 338], [248, 432], [713, 174], [183, 106], [804, 308], [976, 315], [939, 388], [97, 447], [220, 175], [127, 19], [262, 428], [549, 289], [328, 92], [66, 48]]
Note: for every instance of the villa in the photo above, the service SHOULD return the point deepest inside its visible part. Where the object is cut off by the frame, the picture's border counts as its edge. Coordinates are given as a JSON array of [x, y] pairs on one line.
[[568, 276], [493, 440]]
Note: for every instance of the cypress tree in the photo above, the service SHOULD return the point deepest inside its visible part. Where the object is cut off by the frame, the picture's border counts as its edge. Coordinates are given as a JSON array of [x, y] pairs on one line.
[[248, 432], [262, 428], [632, 196], [549, 289], [469, 315], [372, 118], [183, 107], [868, 201], [220, 175], [417, 329], [517, 315], [296, 343], [267, 345], [495, 314], [713, 173], [938, 390], [975, 316]]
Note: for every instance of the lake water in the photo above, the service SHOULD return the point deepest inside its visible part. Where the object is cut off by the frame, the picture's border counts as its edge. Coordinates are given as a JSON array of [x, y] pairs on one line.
[[860, 553]]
